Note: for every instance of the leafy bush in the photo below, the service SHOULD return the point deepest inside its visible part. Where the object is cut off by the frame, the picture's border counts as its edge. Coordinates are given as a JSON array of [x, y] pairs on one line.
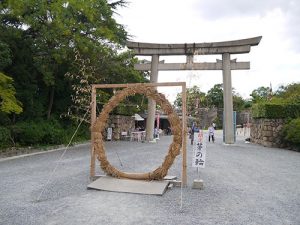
[[42, 132], [28, 133], [291, 133], [4, 137], [54, 133], [39, 132], [275, 110], [82, 134]]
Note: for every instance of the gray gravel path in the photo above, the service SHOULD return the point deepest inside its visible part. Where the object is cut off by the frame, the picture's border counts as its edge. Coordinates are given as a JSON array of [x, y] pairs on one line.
[[244, 184]]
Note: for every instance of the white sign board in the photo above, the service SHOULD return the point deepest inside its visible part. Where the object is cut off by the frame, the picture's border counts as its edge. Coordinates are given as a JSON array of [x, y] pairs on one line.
[[109, 133], [199, 150]]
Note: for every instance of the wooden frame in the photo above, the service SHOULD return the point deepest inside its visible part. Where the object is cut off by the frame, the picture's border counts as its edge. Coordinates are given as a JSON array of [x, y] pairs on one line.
[[165, 84]]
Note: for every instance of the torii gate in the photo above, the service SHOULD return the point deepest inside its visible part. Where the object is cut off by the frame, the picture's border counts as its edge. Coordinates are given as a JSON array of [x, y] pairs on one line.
[[213, 48]]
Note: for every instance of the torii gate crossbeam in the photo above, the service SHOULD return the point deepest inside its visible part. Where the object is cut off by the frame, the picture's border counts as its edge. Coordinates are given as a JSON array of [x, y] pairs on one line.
[[225, 49]]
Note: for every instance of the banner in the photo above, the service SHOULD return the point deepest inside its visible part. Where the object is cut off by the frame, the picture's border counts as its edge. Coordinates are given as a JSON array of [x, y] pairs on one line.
[[199, 150], [157, 121], [109, 133]]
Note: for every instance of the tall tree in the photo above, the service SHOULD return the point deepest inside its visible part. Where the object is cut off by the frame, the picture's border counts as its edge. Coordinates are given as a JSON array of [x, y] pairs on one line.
[[215, 96], [83, 74], [260, 94], [289, 93], [8, 101], [195, 100], [29, 86], [57, 27], [238, 102]]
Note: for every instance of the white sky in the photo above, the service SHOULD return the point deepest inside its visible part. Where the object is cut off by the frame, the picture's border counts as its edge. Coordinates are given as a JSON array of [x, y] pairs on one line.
[[275, 60]]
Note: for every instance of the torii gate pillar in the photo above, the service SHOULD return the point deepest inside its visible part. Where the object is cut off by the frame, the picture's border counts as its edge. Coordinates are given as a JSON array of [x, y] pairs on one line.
[[151, 102], [227, 99]]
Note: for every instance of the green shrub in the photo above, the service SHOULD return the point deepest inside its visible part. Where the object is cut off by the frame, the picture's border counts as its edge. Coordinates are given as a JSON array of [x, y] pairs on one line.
[[42, 132], [4, 137], [54, 133], [82, 134], [275, 110], [29, 133], [39, 132], [291, 133]]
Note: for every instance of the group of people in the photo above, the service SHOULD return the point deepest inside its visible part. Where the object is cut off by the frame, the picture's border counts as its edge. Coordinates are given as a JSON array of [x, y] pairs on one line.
[[196, 129]]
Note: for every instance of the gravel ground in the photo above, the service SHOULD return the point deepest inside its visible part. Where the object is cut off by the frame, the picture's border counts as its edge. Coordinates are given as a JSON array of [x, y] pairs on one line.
[[244, 184]]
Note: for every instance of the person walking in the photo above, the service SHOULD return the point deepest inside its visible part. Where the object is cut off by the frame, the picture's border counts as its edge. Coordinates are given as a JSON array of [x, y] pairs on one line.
[[211, 133]]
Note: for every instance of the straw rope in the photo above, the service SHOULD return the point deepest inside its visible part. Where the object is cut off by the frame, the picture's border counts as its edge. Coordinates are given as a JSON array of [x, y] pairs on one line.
[[99, 126]]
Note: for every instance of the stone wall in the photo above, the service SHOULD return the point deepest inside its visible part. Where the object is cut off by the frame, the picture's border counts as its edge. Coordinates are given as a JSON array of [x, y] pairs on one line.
[[243, 117], [120, 124], [266, 132]]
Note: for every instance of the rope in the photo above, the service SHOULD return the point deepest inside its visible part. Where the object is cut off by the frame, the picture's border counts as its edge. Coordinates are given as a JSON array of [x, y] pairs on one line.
[[119, 158], [99, 126], [61, 157]]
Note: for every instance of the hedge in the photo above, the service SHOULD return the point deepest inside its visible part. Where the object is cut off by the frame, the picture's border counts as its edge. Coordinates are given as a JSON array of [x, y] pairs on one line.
[[275, 110], [41, 132], [291, 133], [4, 137]]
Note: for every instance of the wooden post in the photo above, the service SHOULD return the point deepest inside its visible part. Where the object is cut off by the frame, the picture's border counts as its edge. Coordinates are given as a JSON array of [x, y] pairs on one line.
[[184, 170], [93, 120]]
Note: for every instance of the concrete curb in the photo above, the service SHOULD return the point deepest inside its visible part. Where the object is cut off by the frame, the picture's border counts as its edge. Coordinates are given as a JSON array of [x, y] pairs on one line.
[[41, 152]]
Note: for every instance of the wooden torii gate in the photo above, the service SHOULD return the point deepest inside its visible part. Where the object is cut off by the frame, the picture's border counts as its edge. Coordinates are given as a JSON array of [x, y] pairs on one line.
[[225, 49]]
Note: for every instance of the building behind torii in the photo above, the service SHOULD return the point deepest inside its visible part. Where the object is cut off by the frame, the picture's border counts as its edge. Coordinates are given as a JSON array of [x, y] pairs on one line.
[[225, 49]]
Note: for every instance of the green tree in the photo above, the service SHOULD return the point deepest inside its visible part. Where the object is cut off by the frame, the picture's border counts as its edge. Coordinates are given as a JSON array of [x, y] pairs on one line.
[[57, 27], [288, 94], [121, 66], [238, 102], [8, 101], [30, 88], [195, 100], [215, 96], [260, 94], [5, 55]]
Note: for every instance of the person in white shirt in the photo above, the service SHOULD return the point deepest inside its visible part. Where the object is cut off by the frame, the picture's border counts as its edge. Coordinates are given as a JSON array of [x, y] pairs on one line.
[[211, 133]]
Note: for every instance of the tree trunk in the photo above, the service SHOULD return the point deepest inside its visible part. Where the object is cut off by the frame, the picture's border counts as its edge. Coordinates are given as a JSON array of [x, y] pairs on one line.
[[51, 98]]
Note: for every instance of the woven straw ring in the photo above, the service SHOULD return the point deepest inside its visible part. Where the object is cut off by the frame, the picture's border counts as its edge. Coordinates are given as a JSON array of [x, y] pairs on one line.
[[174, 148]]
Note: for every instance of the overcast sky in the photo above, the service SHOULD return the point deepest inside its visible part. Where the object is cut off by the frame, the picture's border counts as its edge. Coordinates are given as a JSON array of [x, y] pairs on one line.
[[275, 60]]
